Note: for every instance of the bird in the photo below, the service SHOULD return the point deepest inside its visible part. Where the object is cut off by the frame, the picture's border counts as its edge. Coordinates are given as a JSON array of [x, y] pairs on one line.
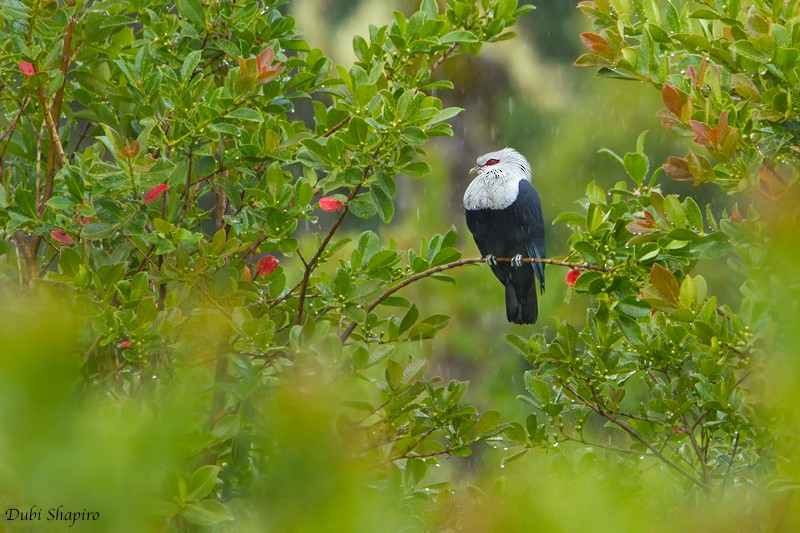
[[504, 215]]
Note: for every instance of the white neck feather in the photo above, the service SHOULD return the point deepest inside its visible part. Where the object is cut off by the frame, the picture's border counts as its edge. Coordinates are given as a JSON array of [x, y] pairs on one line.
[[493, 189], [497, 185]]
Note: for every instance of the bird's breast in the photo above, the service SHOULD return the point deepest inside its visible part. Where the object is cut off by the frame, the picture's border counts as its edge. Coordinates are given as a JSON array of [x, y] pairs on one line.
[[485, 193]]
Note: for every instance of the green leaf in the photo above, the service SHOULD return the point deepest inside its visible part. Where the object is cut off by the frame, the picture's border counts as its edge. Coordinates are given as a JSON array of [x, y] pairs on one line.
[[193, 11], [229, 425], [69, 262], [747, 50], [537, 387], [693, 214], [202, 481], [636, 165], [245, 113], [688, 292], [409, 319], [415, 370], [417, 169], [189, 64], [207, 513], [458, 36], [487, 422], [630, 329], [446, 114], [383, 202], [97, 231], [674, 211], [632, 307], [413, 135], [705, 14]]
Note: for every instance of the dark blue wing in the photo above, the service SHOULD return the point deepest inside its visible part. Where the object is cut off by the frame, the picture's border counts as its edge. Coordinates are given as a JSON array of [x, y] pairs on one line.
[[528, 211]]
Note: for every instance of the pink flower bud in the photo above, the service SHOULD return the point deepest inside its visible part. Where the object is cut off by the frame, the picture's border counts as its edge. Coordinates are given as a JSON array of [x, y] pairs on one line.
[[330, 204], [26, 68], [266, 266], [572, 277]]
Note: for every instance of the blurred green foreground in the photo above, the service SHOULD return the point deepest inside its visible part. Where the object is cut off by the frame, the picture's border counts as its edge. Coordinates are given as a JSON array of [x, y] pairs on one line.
[[89, 450]]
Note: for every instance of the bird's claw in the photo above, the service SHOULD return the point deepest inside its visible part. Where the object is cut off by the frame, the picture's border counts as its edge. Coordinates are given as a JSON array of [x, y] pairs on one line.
[[491, 260], [516, 261]]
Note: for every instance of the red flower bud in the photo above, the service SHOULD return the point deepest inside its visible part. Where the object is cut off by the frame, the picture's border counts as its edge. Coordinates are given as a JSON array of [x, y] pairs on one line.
[[266, 266], [330, 204], [62, 236], [125, 344], [572, 277], [155, 192], [26, 68]]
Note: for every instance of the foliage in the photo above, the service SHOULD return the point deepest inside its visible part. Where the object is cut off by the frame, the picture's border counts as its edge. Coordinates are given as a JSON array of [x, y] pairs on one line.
[[161, 163], [728, 76], [178, 176], [662, 372]]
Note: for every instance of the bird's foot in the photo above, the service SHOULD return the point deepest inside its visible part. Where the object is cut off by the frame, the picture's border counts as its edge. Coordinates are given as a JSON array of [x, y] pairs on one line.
[[516, 261], [491, 260]]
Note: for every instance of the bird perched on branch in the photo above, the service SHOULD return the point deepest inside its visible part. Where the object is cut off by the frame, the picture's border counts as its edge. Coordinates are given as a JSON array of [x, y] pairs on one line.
[[504, 214]]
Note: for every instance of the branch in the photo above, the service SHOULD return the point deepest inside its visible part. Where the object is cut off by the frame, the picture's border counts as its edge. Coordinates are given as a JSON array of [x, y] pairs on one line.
[[455, 264], [701, 455], [733, 458], [635, 436], [53, 118], [450, 51], [337, 126], [13, 125], [55, 142], [312, 263], [413, 445]]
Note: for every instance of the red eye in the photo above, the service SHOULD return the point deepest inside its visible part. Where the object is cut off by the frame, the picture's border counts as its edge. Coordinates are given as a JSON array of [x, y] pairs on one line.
[[491, 162]]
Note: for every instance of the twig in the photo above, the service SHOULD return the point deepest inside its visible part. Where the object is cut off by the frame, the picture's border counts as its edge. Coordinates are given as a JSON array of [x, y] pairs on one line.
[[701, 456], [436, 64], [13, 125], [413, 445], [55, 142], [254, 247], [455, 264], [312, 263], [733, 458], [337, 126], [635, 436]]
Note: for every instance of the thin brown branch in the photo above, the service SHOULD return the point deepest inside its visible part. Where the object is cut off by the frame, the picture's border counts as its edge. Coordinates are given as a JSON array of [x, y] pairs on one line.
[[13, 125], [247, 253], [456, 264], [336, 127], [413, 445], [65, 62], [56, 152], [605, 446], [700, 453], [450, 51], [635, 436], [732, 459], [82, 137], [312, 263]]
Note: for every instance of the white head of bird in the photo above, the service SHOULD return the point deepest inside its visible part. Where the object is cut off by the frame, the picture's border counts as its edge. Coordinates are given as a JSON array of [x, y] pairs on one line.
[[497, 182]]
